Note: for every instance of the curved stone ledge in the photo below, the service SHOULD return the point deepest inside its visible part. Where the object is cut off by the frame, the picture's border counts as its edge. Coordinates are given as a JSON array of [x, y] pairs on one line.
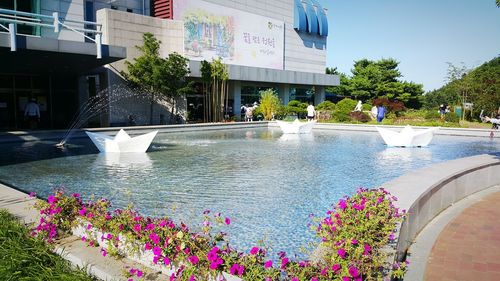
[[427, 192]]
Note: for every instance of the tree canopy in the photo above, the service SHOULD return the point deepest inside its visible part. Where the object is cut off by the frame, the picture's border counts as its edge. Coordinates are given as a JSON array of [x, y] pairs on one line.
[[160, 78], [480, 86], [373, 79]]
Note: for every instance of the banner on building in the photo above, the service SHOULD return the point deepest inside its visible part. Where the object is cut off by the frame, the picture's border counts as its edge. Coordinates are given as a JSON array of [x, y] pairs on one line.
[[238, 37]]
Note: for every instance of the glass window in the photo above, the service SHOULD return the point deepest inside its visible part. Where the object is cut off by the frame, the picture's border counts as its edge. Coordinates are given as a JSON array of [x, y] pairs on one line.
[[251, 94], [302, 94], [29, 6]]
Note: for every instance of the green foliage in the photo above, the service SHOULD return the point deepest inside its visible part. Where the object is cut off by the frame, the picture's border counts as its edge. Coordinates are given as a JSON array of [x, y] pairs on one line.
[[296, 107], [372, 79], [343, 108], [481, 86], [26, 258], [161, 79], [326, 105], [269, 104]]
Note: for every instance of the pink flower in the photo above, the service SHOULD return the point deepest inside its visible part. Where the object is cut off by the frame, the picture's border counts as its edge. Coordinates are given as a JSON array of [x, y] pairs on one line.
[[367, 249], [32, 194], [148, 246], [89, 226], [341, 252], [193, 259], [335, 267], [314, 279], [268, 264], [166, 261], [295, 279], [227, 221], [342, 204], [154, 237], [103, 252], [353, 271], [157, 251], [139, 273], [254, 250], [284, 262], [76, 195], [82, 211], [90, 215], [191, 278], [354, 241], [162, 223], [51, 199], [150, 226], [137, 227]]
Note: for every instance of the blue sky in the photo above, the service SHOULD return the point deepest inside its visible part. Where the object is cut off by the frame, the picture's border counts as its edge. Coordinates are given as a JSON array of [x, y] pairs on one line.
[[421, 34]]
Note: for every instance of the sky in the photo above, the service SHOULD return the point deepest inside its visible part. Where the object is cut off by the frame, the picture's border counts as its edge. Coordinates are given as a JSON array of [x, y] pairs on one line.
[[423, 35]]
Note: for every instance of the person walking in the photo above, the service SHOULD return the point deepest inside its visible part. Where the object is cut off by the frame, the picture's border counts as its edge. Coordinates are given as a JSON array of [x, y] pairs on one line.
[[311, 112], [32, 113], [380, 113]]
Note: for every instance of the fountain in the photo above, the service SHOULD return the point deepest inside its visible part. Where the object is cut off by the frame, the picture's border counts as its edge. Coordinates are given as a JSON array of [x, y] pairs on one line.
[[122, 142], [296, 127], [98, 104], [408, 137]]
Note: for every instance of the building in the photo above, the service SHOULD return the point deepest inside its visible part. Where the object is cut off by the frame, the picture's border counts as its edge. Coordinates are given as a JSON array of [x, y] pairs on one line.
[[266, 44]]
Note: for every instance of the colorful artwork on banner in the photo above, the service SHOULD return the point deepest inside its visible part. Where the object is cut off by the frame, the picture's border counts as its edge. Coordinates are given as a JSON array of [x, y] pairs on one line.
[[238, 37]]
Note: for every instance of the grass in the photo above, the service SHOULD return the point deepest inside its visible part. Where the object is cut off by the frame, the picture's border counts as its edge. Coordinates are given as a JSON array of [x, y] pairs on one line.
[[23, 257]]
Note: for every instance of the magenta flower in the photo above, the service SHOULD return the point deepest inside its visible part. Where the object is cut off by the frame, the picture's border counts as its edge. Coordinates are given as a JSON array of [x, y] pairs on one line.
[[162, 223], [284, 262], [157, 251], [191, 278], [193, 259], [82, 211], [51, 199], [353, 271], [342, 204], [268, 264], [354, 241], [104, 252], [89, 226], [335, 267], [137, 227], [367, 249], [139, 273], [227, 221], [254, 250], [234, 269], [341, 252], [148, 246], [166, 261], [295, 279], [150, 226], [314, 279], [154, 237], [346, 278], [32, 194]]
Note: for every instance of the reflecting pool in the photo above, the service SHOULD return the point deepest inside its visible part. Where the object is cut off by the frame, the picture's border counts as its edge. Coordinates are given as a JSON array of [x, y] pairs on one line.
[[266, 182]]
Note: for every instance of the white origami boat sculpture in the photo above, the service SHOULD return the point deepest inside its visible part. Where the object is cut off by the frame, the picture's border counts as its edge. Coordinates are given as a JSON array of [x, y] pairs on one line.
[[296, 127], [408, 137], [122, 142]]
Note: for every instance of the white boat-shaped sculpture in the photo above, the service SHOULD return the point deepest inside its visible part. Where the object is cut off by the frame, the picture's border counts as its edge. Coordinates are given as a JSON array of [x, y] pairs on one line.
[[122, 142], [408, 137], [296, 127]]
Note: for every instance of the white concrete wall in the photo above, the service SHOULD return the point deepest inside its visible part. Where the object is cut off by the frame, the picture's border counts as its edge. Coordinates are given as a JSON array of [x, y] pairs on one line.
[[303, 52], [427, 192], [126, 30]]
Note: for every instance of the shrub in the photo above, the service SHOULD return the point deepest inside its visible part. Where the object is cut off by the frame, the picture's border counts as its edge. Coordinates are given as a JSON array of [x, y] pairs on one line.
[[269, 103], [326, 105], [354, 234], [296, 107], [451, 117], [432, 114], [359, 116], [394, 106], [343, 108]]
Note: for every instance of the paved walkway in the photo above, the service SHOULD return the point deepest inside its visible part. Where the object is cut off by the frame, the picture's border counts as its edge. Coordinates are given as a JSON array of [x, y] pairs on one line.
[[468, 248]]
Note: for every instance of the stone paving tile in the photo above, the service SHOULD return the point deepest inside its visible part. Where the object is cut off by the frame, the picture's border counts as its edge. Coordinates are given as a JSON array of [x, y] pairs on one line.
[[468, 248]]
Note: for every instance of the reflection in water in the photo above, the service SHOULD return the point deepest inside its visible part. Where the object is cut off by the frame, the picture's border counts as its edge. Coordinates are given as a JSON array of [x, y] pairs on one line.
[[124, 160], [297, 137], [405, 154]]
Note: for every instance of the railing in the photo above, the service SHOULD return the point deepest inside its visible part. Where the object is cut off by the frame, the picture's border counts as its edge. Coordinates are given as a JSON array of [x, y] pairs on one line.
[[9, 19]]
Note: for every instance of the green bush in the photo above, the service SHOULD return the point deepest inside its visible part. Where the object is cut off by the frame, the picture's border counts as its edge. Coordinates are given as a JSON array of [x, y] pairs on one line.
[[367, 106], [432, 114], [326, 105], [451, 117], [343, 108], [296, 107], [269, 103]]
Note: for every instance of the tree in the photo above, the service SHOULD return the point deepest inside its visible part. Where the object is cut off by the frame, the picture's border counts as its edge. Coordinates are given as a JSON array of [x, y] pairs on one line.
[[332, 71], [498, 3], [161, 79], [457, 76], [214, 76], [269, 103], [174, 72]]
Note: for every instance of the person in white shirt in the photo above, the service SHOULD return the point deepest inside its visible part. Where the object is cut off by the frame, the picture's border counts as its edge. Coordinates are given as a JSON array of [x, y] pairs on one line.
[[310, 112], [32, 113]]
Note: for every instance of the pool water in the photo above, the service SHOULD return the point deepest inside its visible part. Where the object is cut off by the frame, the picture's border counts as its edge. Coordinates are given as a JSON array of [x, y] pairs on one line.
[[266, 182]]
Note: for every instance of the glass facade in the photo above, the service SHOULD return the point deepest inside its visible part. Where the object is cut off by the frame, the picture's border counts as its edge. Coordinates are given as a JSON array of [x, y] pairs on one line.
[[29, 6], [302, 94]]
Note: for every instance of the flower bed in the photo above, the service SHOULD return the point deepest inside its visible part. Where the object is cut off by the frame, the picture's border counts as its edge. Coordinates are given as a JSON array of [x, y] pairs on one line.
[[353, 235]]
